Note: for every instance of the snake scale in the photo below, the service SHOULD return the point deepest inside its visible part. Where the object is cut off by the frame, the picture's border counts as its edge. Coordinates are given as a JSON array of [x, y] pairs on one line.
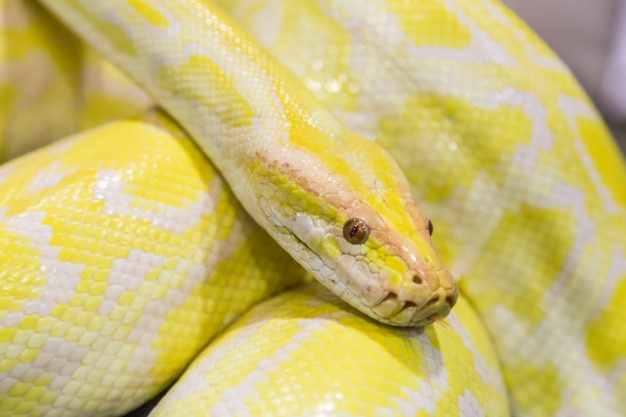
[[126, 258]]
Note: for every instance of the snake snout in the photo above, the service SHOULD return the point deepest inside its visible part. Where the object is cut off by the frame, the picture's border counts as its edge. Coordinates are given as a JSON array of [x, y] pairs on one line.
[[437, 307], [420, 301]]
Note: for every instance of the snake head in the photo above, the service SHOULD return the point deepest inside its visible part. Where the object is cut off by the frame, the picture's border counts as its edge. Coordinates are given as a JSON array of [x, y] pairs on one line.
[[392, 276], [351, 221]]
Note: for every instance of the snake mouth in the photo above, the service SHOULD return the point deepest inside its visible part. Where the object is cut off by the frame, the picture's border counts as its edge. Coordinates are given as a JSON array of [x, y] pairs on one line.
[[392, 310]]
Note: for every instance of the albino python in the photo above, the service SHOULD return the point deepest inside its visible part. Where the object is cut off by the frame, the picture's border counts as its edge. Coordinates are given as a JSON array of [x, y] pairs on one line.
[[125, 255]]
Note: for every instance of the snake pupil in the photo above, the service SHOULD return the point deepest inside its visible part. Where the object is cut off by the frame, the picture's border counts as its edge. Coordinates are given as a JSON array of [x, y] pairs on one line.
[[356, 231], [430, 227]]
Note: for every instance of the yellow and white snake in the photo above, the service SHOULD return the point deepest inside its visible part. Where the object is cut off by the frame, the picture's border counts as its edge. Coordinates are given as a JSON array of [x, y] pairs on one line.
[[123, 252]]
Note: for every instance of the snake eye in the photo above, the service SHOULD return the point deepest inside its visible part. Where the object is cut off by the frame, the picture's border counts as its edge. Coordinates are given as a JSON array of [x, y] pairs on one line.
[[430, 227], [356, 231]]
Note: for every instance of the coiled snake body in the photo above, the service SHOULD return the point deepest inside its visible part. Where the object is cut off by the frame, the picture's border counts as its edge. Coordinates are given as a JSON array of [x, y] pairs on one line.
[[124, 251]]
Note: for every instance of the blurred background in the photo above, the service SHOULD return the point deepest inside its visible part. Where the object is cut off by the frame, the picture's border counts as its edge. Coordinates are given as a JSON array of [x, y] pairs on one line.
[[590, 36]]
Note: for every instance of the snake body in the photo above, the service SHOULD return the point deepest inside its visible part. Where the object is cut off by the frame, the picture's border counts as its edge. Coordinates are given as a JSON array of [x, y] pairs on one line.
[[279, 151], [105, 297]]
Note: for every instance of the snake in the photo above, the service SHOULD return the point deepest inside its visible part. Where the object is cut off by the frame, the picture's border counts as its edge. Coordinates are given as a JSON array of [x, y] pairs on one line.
[[156, 240]]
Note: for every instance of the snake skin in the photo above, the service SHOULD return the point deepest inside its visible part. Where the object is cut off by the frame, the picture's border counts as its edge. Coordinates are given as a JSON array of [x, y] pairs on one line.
[[124, 252], [525, 186]]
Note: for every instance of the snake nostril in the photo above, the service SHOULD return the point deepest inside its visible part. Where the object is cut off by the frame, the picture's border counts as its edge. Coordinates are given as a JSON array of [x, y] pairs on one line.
[[417, 279]]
